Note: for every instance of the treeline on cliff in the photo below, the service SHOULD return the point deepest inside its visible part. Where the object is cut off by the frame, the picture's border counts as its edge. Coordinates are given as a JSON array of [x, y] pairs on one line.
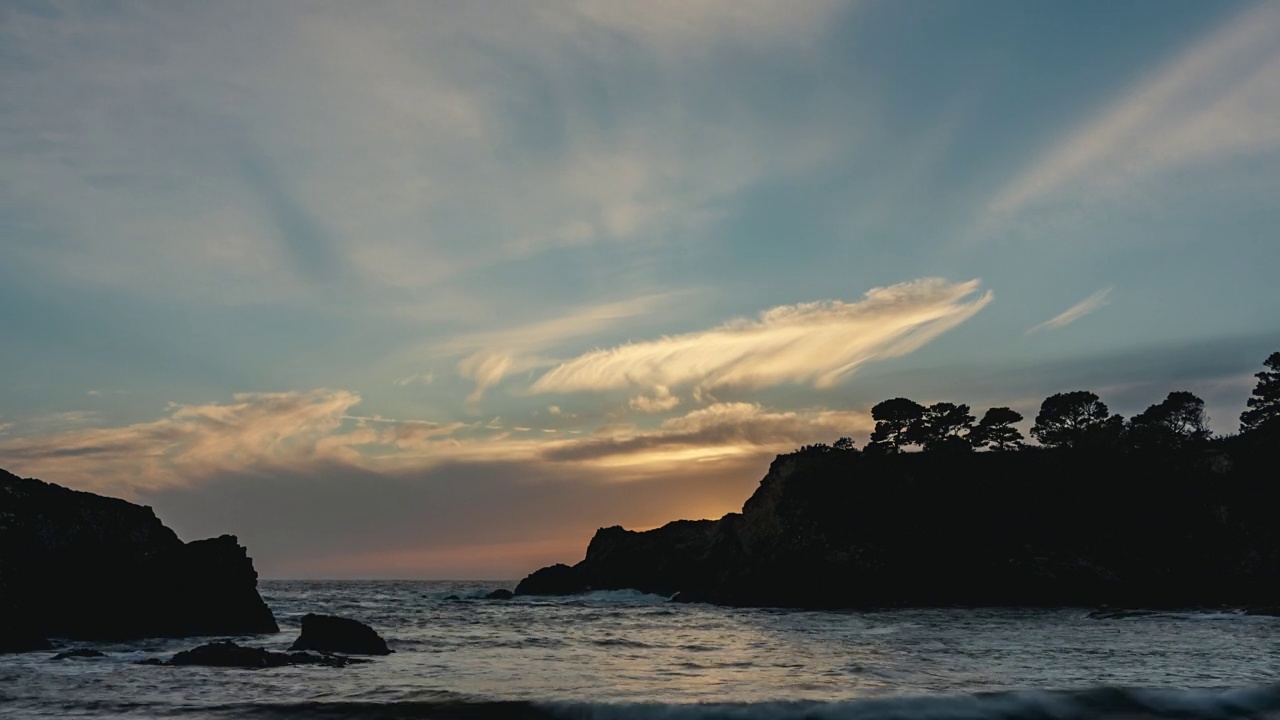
[[1078, 420], [1148, 511]]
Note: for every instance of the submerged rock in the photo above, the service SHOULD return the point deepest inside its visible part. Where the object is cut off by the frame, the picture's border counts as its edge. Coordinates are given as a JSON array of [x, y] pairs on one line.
[[83, 566], [500, 594], [229, 654], [79, 653], [330, 634]]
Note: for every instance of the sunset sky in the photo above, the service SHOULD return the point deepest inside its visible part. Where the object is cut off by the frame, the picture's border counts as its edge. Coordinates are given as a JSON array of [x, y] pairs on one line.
[[436, 289]]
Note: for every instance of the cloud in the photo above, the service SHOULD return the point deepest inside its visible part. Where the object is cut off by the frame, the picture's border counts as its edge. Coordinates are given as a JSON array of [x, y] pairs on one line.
[[1075, 312], [419, 378], [255, 433], [577, 322], [504, 352], [714, 432], [684, 30], [63, 420], [817, 343], [192, 442], [163, 147], [660, 401], [691, 25], [1216, 101], [488, 368], [266, 434]]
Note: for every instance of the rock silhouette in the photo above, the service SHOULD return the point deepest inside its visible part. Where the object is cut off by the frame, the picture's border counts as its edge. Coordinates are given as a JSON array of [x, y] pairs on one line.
[[83, 566], [229, 654], [330, 634], [1192, 526], [558, 579], [500, 594]]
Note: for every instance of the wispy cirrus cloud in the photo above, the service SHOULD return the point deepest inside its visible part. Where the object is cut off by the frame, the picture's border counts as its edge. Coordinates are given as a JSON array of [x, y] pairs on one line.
[[488, 367], [492, 356], [691, 25], [416, 379], [260, 433], [1075, 312], [163, 144], [818, 343], [289, 432], [189, 443], [577, 322], [716, 431], [1216, 101]]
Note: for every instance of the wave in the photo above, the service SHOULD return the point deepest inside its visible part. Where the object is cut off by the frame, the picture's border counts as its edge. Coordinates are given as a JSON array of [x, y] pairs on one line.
[[621, 643], [1096, 704], [633, 597], [630, 597], [1234, 614]]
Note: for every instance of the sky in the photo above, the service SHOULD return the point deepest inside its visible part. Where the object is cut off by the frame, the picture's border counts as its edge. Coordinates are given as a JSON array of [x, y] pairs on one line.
[[434, 290]]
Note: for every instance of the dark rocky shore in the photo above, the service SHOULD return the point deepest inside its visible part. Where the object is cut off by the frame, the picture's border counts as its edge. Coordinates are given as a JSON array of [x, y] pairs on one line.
[[839, 528], [82, 566]]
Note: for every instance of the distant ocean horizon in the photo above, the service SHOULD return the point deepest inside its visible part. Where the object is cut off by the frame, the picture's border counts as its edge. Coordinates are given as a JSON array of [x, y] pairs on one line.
[[627, 655]]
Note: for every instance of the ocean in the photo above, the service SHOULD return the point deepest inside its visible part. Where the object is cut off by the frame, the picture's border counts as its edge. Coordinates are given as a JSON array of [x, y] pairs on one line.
[[629, 656]]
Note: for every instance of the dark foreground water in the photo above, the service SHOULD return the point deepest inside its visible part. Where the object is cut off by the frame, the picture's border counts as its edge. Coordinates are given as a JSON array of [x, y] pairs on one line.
[[636, 657]]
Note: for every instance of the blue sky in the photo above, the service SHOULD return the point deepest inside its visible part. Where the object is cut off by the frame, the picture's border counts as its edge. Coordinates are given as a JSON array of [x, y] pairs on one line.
[[468, 280]]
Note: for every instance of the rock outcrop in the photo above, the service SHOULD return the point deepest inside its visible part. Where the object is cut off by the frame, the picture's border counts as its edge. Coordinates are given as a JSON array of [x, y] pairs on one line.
[[18, 632], [844, 529], [329, 634], [500, 594], [230, 655], [558, 579], [82, 566]]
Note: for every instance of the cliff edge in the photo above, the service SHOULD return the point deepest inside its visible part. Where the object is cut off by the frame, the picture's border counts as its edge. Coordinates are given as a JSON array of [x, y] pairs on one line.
[[83, 566], [832, 528]]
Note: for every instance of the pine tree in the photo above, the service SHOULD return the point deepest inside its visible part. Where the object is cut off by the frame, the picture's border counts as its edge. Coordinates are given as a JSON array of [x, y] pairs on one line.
[[1264, 406]]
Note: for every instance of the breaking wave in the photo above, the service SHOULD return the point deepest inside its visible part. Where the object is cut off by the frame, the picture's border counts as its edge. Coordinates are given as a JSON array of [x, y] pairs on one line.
[[1095, 704]]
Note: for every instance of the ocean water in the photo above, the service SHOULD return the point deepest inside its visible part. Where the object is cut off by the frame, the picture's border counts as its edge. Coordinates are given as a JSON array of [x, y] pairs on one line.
[[629, 656]]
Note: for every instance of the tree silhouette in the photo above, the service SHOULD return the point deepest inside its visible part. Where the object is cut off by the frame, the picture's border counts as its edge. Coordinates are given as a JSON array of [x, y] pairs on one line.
[[844, 443], [1174, 422], [1264, 406], [897, 424], [942, 427], [996, 430], [1074, 419]]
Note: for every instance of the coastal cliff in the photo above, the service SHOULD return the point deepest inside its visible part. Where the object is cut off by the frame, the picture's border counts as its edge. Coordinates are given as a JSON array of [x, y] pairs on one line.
[[78, 565], [836, 528]]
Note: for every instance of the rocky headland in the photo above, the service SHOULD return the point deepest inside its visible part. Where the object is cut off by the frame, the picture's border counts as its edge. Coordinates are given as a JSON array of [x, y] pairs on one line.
[[82, 566], [835, 527]]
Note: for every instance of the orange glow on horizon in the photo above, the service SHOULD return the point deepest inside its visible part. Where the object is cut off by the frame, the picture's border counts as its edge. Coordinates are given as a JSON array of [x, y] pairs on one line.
[[496, 561]]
